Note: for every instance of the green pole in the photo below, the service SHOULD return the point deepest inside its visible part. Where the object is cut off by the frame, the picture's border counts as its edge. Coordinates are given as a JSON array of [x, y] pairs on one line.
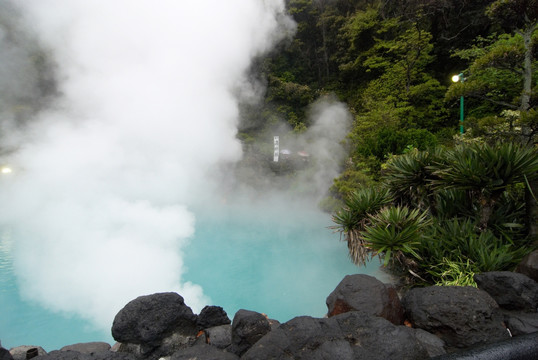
[[461, 115]]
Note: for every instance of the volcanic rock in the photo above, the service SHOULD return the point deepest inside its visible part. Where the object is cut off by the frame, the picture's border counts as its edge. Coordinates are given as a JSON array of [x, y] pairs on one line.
[[461, 316], [5, 354], [87, 348], [529, 265], [351, 335], [366, 294], [219, 336], [247, 328], [21, 352], [160, 323], [512, 291], [203, 352], [211, 316]]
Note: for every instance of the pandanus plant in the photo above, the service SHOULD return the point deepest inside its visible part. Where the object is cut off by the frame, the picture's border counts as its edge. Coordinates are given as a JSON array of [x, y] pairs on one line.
[[486, 171], [355, 216]]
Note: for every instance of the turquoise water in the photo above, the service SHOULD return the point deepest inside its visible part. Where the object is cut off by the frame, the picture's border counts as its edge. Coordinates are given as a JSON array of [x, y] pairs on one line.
[[282, 262]]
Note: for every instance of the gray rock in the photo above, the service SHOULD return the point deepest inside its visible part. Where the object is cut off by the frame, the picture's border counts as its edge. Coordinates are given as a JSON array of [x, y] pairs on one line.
[[461, 316], [19, 352], [247, 328], [512, 291], [529, 265], [219, 336], [351, 335], [523, 347], [203, 352], [520, 322], [211, 316], [148, 320], [87, 348], [433, 345], [365, 293], [5, 354], [75, 355]]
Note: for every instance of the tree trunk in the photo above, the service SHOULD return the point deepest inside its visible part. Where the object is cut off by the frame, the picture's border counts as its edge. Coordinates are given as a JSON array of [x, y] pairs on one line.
[[527, 68], [531, 191]]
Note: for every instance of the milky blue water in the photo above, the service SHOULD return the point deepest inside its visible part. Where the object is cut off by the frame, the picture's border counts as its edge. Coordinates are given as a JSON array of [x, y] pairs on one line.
[[283, 263]]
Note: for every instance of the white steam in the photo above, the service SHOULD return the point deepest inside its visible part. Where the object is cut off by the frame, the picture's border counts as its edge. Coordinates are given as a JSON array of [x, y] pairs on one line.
[[100, 204]]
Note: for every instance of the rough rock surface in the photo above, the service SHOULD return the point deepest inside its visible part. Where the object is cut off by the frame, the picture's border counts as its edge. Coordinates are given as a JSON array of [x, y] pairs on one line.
[[366, 294], [433, 345], [518, 348], [19, 352], [149, 319], [154, 326], [211, 316], [75, 355], [351, 335], [529, 265], [512, 291], [247, 328], [521, 323], [5, 354], [219, 336], [87, 348], [461, 316], [203, 352]]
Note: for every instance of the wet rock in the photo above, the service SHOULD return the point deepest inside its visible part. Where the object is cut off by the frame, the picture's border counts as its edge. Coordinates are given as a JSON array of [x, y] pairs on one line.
[[365, 293], [351, 335], [211, 316], [21, 352], [529, 265], [512, 291], [203, 352], [247, 328], [461, 316], [87, 348]]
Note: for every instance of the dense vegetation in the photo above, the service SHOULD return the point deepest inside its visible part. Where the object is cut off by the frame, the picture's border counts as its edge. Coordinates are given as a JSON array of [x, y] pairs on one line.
[[433, 202]]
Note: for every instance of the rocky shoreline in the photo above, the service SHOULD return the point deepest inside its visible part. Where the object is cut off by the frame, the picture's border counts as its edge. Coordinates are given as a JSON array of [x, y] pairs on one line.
[[366, 319]]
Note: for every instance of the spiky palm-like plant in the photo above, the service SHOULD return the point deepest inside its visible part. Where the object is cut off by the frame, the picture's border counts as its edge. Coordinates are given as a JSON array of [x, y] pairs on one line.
[[486, 171], [409, 177], [396, 232], [354, 216]]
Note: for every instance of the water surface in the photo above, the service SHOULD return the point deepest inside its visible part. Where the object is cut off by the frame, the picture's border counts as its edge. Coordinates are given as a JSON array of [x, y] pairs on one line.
[[283, 262]]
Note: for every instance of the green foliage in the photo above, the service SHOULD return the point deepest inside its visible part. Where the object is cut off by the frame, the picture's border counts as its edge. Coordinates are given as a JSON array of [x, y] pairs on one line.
[[453, 273], [409, 177], [354, 216], [349, 181], [487, 169], [437, 228], [395, 232]]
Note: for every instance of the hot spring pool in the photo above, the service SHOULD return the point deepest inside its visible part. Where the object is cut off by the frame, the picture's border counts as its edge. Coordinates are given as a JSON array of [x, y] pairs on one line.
[[283, 263]]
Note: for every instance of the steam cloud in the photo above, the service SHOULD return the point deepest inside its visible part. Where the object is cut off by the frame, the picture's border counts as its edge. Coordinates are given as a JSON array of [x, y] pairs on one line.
[[100, 203]]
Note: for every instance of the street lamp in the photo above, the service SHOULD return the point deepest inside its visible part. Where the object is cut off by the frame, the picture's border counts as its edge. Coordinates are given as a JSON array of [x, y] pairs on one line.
[[460, 78]]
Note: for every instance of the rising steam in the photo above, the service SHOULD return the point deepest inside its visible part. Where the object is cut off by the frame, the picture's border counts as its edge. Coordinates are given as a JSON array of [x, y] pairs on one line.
[[99, 204]]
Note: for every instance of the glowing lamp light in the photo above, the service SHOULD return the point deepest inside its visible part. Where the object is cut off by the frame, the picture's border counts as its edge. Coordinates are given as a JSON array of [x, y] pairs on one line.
[[6, 170], [458, 78]]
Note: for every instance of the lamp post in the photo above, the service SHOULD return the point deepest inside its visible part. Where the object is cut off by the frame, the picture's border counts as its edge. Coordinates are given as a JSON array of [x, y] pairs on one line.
[[460, 78]]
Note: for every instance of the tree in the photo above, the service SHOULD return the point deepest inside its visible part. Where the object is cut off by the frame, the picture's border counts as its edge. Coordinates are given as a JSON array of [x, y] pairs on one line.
[[522, 17]]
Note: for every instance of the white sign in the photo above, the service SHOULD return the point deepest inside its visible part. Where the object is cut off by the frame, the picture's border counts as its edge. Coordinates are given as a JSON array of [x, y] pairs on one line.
[[277, 149]]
